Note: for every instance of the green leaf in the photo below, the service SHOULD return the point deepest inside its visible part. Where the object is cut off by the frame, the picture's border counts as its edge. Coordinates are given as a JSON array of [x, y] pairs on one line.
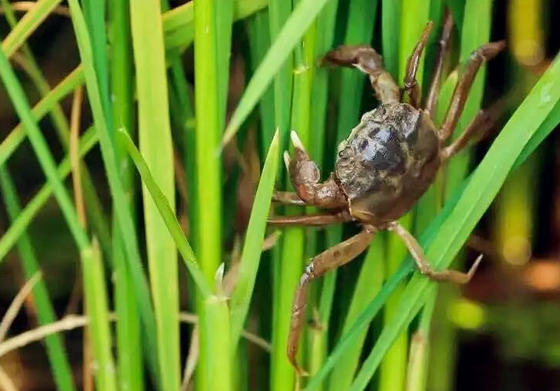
[[254, 237], [157, 149], [27, 25], [299, 21]]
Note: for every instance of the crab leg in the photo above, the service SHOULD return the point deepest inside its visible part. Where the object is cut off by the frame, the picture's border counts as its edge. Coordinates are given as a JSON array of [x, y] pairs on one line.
[[367, 60], [478, 57], [410, 83], [311, 220], [481, 123], [442, 53], [328, 260], [305, 177], [423, 264]]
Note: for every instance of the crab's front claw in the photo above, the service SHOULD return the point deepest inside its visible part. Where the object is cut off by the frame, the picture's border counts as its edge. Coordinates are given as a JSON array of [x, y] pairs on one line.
[[287, 160], [305, 177], [296, 142]]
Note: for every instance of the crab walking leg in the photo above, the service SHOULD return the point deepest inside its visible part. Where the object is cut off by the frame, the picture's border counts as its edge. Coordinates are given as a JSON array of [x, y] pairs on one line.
[[288, 198], [305, 177], [477, 58], [442, 53], [317, 220], [423, 264], [367, 60], [410, 83], [330, 259], [481, 123]]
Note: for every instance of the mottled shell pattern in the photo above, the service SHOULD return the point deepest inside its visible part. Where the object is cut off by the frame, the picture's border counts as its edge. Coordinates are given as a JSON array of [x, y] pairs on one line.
[[387, 162]]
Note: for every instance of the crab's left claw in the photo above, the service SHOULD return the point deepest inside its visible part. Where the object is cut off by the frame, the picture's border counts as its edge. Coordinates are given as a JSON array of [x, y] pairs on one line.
[[287, 160], [296, 142]]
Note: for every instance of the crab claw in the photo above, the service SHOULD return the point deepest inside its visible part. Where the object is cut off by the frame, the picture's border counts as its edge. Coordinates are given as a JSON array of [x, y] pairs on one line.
[[296, 142], [287, 160]]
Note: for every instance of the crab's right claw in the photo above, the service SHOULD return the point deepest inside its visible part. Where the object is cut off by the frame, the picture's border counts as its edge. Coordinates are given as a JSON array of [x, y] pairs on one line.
[[300, 154]]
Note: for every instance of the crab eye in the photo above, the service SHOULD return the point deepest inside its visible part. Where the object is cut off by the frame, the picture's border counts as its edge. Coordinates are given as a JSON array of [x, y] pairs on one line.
[[364, 144]]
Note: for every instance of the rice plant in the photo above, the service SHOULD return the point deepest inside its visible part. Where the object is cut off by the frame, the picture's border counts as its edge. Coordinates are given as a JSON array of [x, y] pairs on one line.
[[139, 155]]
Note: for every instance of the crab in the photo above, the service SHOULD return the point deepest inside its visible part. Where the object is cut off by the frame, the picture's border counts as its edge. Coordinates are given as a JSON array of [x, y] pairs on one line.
[[389, 160]]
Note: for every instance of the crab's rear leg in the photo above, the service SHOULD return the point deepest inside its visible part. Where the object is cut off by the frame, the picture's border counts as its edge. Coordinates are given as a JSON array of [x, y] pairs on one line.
[[367, 60], [477, 58], [482, 122], [305, 177], [424, 266], [435, 83], [410, 83], [330, 259]]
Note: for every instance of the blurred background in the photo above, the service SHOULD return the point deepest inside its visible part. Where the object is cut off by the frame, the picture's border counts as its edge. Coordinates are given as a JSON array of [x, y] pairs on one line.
[[500, 332]]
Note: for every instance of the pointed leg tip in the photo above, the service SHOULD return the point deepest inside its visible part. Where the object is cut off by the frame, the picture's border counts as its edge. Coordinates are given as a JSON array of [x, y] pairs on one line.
[[301, 372], [477, 262], [473, 268]]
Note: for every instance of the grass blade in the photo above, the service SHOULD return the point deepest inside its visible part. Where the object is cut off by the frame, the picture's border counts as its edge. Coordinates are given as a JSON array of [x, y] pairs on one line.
[[259, 39], [390, 27], [167, 214], [215, 318], [251, 255], [288, 258], [94, 13], [130, 363], [156, 147], [19, 34], [178, 23], [292, 31], [98, 313], [209, 120]]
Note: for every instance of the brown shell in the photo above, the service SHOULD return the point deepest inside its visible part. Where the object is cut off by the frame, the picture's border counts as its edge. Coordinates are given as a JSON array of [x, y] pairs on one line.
[[388, 161]]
